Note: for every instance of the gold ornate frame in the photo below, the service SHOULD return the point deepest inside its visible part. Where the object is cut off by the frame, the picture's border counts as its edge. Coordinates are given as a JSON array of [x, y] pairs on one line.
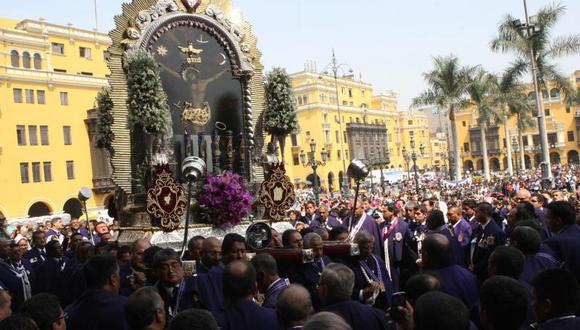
[[135, 22]]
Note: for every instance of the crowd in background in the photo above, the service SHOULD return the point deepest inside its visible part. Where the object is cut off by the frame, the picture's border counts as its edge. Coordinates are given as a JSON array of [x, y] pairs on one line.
[[502, 254]]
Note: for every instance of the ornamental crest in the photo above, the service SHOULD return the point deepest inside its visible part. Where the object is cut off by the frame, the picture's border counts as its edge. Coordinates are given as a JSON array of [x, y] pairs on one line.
[[166, 200], [277, 192]]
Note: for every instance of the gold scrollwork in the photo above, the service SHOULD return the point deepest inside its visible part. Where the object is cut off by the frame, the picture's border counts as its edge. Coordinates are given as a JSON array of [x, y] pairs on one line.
[[166, 200], [195, 116]]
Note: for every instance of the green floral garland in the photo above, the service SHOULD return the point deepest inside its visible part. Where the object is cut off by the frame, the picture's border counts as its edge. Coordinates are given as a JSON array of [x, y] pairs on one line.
[[146, 99], [280, 116], [104, 131]]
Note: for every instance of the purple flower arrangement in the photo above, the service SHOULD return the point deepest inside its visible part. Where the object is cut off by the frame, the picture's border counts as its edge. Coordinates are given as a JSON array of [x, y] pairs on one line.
[[226, 199]]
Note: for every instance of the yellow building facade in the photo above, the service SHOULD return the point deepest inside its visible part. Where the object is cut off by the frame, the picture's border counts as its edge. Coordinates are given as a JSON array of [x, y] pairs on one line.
[[49, 78], [563, 128], [349, 121]]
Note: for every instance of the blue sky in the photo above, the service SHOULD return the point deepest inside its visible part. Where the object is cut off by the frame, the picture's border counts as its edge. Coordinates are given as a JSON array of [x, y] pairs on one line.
[[391, 43]]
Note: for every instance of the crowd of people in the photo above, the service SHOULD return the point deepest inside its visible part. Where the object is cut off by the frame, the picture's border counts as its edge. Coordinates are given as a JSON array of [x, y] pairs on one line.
[[503, 254]]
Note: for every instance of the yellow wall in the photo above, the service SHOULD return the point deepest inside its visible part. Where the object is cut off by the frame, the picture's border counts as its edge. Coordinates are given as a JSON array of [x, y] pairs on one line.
[[17, 197], [560, 120], [317, 111]]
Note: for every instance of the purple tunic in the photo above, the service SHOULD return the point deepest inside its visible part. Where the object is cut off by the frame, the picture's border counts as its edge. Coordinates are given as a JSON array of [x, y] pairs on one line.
[[460, 283], [371, 226], [247, 315], [462, 230], [97, 309], [359, 316]]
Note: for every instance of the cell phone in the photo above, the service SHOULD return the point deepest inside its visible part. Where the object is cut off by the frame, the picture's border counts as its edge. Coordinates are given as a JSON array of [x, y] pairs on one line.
[[398, 299]]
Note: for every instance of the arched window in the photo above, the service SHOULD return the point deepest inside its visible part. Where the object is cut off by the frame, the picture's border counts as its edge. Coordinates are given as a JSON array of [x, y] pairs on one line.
[[555, 93], [544, 94], [26, 60], [37, 61], [15, 59]]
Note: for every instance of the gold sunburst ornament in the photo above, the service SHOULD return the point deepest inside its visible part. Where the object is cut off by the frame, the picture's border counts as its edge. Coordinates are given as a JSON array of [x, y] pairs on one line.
[[161, 50]]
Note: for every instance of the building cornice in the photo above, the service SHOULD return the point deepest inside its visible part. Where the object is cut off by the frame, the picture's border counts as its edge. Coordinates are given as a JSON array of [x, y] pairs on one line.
[[9, 74], [330, 79], [343, 108], [20, 38], [63, 31]]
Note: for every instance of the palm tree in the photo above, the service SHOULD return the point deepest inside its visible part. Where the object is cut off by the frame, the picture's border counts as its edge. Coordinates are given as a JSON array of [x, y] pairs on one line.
[[510, 100], [481, 91], [512, 39], [447, 89], [524, 121]]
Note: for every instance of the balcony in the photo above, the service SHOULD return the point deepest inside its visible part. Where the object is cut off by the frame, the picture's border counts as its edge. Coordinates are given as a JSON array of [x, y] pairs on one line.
[[103, 185], [326, 126]]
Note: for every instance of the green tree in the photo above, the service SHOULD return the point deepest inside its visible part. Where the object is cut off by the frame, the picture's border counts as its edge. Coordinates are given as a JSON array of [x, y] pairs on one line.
[[510, 100], [104, 131], [280, 117], [448, 85], [481, 90], [547, 48]]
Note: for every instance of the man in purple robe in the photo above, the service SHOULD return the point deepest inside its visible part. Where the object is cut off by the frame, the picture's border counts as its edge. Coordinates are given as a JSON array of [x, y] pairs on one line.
[[240, 310], [555, 300], [269, 283], [363, 221], [437, 258], [177, 290], [210, 255], [336, 286], [37, 254], [461, 228], [372, 284], [469, 207], [528, 241], [565, 241], [436, 225], [100, 306], [313, 270], [324, 220]]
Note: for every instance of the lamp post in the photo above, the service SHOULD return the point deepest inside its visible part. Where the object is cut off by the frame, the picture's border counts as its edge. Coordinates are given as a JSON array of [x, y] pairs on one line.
[[530, 29], [516, 150], [335, 67], [386, 163], [407, 159], [414, 157], [313, 163], [463, 154]]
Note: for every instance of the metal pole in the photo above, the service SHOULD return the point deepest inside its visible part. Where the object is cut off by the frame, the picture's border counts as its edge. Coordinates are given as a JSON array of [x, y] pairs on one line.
[[547, 174], [316, 183], [187, 212], [341, 135], [416, 175], [88, 223], [96, 17]]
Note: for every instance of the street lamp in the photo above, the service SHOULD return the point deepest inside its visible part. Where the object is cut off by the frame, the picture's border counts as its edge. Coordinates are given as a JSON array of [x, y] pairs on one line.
[[516, 150], [414, 157], [530, 29], [386, 163], [463, 155], [313, 163], [335, 67], [407, 159]]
